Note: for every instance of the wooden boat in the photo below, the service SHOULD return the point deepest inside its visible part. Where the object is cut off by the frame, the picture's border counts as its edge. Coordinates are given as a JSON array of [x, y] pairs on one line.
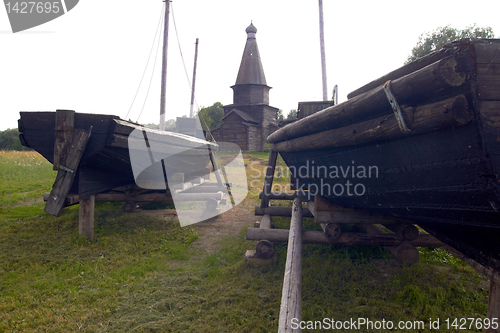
[[420, 143], [106, 160]]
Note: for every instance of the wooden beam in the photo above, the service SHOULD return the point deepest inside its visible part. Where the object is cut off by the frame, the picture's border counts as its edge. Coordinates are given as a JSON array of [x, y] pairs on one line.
[[86, 218], [291, 296], [351, 238], [268, 181], [406, 231], [66, 175], [280, 211], [280, 195]]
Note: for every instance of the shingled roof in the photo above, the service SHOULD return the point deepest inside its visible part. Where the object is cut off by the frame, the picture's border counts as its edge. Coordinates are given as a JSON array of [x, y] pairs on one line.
[[251, 71]]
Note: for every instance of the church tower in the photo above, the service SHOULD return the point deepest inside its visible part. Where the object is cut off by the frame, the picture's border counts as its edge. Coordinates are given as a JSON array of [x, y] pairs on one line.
[[249, 120]]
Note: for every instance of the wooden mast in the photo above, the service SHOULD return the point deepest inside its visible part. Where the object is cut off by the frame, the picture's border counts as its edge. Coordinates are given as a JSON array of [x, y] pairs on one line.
[[194, 79], [164, 67], [322, 44]]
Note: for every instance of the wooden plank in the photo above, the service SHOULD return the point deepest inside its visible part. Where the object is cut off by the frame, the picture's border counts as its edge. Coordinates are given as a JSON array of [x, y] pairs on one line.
[[451, 112], [86, 217], [487, 52], [268, 181], [488, 90], [64, 179], [291, 296], [434, 82], [351, 238], [64, 125]]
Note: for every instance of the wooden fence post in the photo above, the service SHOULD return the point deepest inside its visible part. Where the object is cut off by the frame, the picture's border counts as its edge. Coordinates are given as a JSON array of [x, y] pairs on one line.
[[291, 297], [86, 217]]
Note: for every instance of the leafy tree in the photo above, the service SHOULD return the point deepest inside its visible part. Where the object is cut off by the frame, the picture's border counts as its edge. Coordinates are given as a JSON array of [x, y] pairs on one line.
[[431, 41], [9, 140], [292, 114], [210, 117], [280, 115]]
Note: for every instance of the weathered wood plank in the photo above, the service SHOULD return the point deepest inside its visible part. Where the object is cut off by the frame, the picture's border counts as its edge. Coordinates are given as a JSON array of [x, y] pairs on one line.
[[64, 125], [291, 296], [487, 52], [65, 177], [493, 306], [435, 116]]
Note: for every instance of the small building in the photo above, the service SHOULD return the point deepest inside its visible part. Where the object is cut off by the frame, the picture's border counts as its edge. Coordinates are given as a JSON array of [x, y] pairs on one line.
[[249, 120]]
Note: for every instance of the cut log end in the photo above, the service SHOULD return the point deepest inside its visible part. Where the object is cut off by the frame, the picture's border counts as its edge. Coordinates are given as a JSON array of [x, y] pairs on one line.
[[332, 230], [264, 249]]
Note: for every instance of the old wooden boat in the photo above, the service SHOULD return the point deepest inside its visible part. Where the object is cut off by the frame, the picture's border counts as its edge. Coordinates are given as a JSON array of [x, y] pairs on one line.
[[420, 143], [106, 161]]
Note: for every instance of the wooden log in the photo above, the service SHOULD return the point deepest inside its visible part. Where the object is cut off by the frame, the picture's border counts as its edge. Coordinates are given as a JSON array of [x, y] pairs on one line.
[[280, 195], [332, 230], [291, 298], [65, 123], [268, 181], [280, 211], [327, 212], [285, 122], [406, 231], [349, 239], [451, 112], [86, 218], [493, 306], [404, 70], [117, 197], [264, 248], [404, 252], [433, 82], [65, 176]]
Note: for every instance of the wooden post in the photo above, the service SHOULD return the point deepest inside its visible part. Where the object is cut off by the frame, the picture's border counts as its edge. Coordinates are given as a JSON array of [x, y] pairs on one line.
[[86, 217], [264, 248], [65, 123], [291, 298], [268, 181], [494, 305]]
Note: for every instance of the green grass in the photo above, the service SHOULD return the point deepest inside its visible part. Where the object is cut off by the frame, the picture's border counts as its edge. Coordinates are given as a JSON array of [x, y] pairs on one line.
[[144, 273]]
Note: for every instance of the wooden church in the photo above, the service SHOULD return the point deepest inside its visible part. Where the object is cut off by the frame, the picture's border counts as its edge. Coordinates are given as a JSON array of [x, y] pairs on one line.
[[249, 120]]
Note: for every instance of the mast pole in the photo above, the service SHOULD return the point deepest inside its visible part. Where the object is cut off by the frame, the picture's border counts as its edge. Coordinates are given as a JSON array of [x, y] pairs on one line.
[[164, 67], [194, 79], [322, 44]]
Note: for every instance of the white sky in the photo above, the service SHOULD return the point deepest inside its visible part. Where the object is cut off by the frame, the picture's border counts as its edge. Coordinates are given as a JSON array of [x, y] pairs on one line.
[[92, 59]]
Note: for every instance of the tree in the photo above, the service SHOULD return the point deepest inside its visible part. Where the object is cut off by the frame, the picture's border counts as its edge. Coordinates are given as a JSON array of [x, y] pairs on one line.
[[279, 115], [431, 41], [210, 117], [9, 140], [292, 114]]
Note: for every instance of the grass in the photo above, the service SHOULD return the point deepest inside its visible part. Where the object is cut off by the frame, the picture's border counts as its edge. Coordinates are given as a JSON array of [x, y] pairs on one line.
[[144, 273]]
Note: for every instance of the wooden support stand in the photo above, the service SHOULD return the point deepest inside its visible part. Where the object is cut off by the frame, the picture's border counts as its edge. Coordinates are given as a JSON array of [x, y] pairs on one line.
[[264, 251], [86, 217]]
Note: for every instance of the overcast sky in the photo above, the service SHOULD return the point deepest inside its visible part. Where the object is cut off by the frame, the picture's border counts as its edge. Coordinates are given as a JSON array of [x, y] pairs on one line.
[[92, 58]]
